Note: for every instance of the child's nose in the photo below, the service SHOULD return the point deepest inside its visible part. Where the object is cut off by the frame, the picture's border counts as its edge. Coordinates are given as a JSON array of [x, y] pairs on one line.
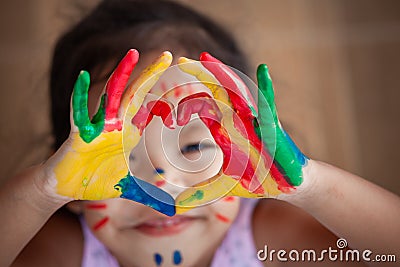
[[171, 181]]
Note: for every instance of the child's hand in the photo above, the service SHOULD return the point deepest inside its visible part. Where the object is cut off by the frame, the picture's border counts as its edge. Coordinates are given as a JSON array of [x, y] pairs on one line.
[[92, 164], [260, 159]]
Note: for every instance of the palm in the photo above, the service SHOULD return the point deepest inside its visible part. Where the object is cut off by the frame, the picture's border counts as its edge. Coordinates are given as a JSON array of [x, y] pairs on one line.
[[260, 159], [91, 164]]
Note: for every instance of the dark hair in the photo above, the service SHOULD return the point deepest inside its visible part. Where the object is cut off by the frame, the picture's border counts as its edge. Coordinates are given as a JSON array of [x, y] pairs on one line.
[[113, 27]]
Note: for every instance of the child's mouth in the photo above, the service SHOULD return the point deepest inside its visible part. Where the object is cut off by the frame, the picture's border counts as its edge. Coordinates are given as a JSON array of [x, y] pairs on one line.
[[166, 226]]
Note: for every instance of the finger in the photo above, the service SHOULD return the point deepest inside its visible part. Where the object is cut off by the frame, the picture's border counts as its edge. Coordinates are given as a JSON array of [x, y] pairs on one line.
[[115, 87], [135, 94], [288, 161], [87, 130], [154, 105], [267, 90], [140, 191], [197, 70], [163, 109], [237, 90], [199, 103]]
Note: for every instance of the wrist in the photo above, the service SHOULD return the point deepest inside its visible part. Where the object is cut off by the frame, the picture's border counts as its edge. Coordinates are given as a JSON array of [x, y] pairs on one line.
[[306, 191], [43, 194]]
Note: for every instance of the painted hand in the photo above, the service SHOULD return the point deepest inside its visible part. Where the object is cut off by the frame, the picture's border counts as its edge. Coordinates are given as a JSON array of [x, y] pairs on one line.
[[91, 164], [260, 159]]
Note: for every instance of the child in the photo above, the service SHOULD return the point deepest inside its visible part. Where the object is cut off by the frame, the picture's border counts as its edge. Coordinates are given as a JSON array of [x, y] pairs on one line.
[[120, 232]]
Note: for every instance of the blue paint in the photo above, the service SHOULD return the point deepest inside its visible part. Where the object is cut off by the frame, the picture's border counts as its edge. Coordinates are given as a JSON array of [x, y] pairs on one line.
[[177, 257], [298, 154], [140, 191], [158, 259], [159, 171]]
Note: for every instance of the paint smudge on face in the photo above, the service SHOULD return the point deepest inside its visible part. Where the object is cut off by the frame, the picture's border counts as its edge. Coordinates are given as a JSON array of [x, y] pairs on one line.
[[159, 171], [159, 180], [160, 183], [97, 226], [177, 257], [198, 195], [229, 198], [96, 206], [222, 218], [158, 259]]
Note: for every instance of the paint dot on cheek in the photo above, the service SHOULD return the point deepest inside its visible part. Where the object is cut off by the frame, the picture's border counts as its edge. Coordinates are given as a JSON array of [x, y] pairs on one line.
[[160, 183], [158, 259], [177, 257], [97, 226], [222, 218], [229, 199], [96, 206]]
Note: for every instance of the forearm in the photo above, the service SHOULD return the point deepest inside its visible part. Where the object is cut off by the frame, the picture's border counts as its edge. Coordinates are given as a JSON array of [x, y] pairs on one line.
[[366, 215], [25, 208]]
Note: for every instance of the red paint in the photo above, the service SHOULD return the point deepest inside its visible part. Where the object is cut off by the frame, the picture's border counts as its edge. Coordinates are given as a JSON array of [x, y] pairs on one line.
[[222, 218], [96, 206], [220, 71], [229, 199], [160, 183], [163, 109], [115, 88], [236, 163], [100, 223], [245, 127], [145, 114], [200, 103]]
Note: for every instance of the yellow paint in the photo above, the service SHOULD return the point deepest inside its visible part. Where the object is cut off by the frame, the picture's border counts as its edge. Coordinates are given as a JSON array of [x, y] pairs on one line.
[[90, 171], [143, 84], [262, 174]]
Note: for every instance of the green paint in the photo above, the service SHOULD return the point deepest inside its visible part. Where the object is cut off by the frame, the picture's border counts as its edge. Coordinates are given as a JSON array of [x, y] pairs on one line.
[[287, 155], [198, 195], [85, 181], [88, 130]]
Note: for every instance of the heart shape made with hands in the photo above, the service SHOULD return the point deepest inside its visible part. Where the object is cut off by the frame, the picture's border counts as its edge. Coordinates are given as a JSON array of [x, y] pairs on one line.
[[257, 157], [218, 96]]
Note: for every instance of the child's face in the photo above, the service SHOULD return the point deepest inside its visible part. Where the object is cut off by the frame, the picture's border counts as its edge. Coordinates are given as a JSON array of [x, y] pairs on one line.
[[171, 159]]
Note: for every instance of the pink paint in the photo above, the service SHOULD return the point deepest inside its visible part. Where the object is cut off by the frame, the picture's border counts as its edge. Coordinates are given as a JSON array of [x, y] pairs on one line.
[[100, 224]]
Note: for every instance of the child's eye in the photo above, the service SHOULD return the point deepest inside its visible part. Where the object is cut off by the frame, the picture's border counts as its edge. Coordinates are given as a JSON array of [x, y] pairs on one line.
[[196, 147]]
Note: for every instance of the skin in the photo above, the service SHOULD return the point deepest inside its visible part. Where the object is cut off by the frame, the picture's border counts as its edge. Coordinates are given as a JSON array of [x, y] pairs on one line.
[[275, 223]]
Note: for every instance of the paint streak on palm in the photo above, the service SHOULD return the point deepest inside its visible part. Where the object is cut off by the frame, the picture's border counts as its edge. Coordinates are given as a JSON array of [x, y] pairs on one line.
[[91, 164], [274, 163]]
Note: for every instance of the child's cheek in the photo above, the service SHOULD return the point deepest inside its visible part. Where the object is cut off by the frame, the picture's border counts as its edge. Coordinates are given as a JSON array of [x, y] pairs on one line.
[[226, 209]]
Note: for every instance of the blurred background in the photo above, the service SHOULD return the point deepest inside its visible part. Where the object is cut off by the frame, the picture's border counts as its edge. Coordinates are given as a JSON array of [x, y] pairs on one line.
[[334, 65]]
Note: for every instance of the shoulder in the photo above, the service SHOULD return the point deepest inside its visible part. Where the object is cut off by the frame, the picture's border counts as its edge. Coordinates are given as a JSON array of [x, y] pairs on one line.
[[58, 243], [280, 225]]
